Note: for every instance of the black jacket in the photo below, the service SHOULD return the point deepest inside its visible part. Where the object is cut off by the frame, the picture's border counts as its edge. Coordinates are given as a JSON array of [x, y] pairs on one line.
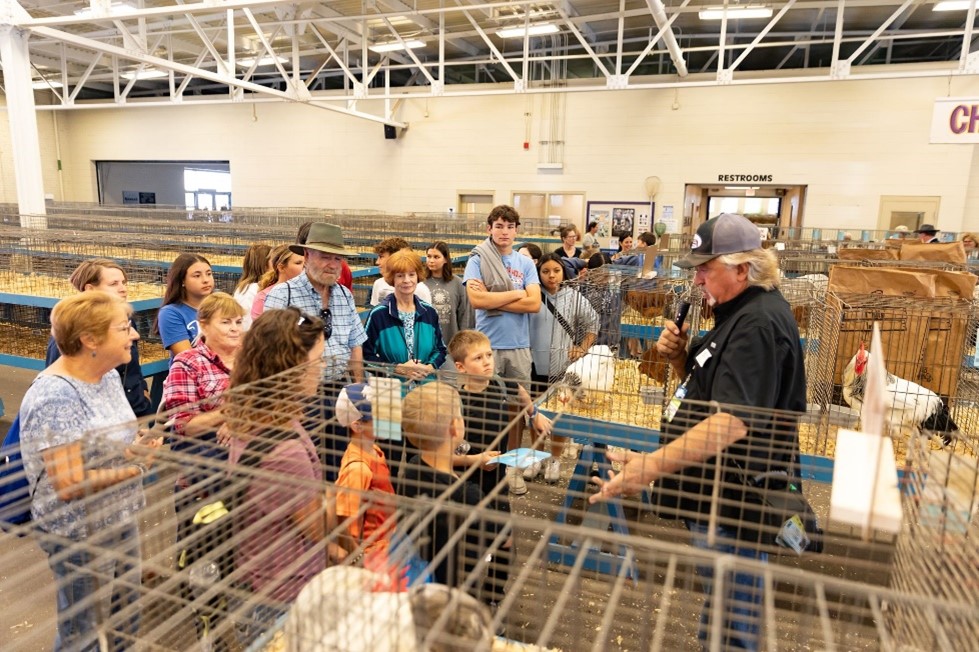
[[752, 357]]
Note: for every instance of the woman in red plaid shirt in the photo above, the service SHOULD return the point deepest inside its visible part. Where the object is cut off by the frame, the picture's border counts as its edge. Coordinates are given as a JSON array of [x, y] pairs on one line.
[[200, 375]]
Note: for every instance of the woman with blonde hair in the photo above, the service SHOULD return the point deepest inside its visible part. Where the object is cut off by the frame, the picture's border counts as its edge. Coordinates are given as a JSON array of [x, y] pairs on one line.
[[253, 267], [107, 276], [192, 394], [283, 266], [971, 243], [200, 375], [86, 492]]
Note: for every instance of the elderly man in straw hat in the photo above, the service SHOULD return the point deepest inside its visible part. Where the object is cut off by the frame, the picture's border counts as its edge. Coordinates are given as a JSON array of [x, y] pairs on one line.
[[316, 292]]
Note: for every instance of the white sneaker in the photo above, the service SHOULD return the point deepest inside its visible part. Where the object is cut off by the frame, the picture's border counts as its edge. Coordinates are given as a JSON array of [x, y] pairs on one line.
[[517, 485], [532, 471], [552, 472]]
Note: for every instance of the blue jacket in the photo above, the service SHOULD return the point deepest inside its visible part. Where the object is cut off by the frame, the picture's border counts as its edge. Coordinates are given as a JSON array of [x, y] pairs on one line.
[[386, 335]]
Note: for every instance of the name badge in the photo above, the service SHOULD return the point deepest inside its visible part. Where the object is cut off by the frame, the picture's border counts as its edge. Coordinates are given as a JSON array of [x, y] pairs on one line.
[[674, 403], [703, 357]]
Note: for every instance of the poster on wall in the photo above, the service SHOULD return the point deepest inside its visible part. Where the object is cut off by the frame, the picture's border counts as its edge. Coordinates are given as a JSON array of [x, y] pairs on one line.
[[644, 222], [147, 198], [130, 197], [669, 219], [615, 219]]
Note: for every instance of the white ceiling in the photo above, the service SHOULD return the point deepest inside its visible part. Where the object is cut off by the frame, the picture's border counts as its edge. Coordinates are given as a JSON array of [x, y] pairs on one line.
[[323, 57]]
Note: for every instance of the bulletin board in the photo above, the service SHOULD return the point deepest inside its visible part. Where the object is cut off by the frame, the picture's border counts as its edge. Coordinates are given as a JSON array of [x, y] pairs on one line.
[[616, 218]]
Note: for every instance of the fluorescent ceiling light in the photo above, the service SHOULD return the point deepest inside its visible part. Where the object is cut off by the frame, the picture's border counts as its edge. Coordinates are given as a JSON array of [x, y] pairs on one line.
[[395, 46], [952, 5], [248, 62], [114, 8], [394, 20], [42, 85], [735, 12], [150, 73], [531, 30]]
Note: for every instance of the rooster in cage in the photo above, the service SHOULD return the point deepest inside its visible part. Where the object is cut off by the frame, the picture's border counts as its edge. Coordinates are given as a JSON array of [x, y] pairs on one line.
[[911, 408], [593, 372]]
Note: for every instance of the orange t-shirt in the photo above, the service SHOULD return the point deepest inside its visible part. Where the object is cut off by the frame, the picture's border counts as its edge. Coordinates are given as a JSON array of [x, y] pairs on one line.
[[364, 470]]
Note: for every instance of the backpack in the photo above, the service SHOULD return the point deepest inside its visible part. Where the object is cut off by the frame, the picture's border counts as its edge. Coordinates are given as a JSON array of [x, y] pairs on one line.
[[15, 493]]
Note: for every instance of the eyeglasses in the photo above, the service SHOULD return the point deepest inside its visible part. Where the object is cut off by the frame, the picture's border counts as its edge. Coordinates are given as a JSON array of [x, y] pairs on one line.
[[123, 329], [327, 318]]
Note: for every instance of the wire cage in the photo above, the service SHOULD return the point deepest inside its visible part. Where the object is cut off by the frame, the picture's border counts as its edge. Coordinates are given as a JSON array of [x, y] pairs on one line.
[[936, 550], [243, 577], [793, 264], [35, 267], [929, 346], [615, 317]]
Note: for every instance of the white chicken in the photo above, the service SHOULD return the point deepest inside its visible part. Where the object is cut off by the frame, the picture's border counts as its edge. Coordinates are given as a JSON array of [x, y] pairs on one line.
[[593, 372], [911, 408]]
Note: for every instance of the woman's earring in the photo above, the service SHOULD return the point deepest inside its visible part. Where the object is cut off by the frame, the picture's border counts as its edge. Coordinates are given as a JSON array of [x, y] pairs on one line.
[[94, 353]]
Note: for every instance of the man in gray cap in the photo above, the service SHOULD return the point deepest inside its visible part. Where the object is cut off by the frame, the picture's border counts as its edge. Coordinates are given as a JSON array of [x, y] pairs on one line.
[[927, 233], [751, 357], [317, 293]]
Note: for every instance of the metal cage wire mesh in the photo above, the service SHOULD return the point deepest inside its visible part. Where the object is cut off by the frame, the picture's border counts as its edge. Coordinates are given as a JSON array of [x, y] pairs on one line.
[[577, 583]]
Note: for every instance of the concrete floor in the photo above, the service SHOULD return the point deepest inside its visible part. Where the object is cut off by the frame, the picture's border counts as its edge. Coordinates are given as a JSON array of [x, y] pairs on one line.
[[24, 602]]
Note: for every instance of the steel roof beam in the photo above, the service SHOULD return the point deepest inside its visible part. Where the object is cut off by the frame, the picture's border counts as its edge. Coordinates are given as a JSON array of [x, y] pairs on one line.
[[777, 17], [173, 66]]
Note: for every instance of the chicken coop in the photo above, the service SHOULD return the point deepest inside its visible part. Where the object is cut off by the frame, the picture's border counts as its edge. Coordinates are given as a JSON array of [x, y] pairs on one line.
[[36, 266], [928, 322]]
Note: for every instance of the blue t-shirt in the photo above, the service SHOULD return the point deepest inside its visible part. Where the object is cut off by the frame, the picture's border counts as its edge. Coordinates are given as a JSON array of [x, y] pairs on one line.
[[507, 330], [178, 321]]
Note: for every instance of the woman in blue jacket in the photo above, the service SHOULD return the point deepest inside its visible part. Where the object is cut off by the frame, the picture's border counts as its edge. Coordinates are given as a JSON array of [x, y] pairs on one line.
[[404, 330]]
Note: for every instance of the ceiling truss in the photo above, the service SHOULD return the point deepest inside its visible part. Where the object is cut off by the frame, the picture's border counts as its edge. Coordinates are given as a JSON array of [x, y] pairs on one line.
[[319, 54]]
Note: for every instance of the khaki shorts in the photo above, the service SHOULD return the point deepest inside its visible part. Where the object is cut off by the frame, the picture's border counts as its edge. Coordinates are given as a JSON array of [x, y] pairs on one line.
[[513, 365]]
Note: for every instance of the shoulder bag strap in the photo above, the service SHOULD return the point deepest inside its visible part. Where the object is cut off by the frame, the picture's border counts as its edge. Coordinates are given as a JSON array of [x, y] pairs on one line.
[[559, 317]]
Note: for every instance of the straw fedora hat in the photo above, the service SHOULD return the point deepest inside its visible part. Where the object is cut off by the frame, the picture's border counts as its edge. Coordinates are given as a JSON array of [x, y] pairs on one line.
[[327, 238]]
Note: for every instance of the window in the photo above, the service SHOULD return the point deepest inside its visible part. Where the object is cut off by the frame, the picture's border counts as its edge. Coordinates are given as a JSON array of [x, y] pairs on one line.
[[207, 189]]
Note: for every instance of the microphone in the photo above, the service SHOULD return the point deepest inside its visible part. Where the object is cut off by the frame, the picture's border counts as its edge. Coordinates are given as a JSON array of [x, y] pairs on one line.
[[681, 313]]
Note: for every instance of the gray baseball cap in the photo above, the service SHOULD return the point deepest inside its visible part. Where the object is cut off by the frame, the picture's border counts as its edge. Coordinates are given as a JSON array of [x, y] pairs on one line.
[[727, 233]]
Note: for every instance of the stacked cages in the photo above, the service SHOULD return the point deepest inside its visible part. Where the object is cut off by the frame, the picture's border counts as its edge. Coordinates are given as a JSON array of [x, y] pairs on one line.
[[159, 236], [243, 556], [35, 267], [929, 349], [936, 550]]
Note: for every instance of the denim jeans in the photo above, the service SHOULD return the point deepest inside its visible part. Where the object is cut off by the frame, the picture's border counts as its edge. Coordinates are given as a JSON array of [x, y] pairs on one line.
[[742, 591], [94, 585]]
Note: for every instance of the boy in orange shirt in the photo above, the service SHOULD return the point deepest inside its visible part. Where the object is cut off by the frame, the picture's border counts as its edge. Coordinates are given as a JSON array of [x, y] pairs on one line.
[[364, 469]]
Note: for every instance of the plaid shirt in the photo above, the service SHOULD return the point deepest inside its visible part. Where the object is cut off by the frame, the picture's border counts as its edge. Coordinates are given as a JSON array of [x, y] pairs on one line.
[[348, 331], [196, 375]]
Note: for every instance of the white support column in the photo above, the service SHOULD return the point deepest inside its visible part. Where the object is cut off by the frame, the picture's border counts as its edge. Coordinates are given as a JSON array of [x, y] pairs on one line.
[[23, 125]]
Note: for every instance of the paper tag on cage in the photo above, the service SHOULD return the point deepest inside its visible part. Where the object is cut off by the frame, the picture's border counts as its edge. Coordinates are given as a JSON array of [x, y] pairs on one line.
[[386, 408], [793, 535]]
